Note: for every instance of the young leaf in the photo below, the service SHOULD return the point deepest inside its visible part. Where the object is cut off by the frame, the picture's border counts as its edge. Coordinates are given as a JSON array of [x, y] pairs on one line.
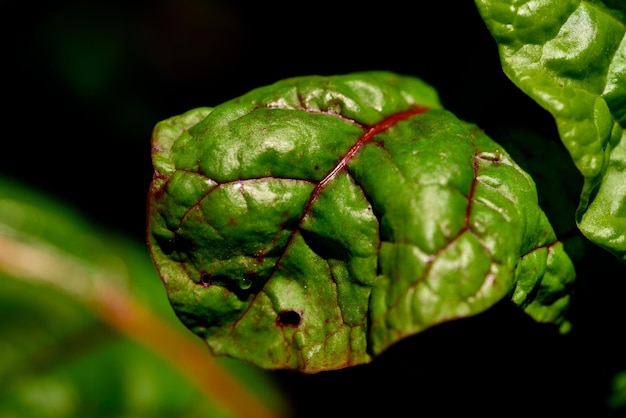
[[570, 57], [312, 223]]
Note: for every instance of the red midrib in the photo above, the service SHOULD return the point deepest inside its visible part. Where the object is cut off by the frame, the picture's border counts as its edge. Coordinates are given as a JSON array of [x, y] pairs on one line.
[[372, 131], [341, 164]]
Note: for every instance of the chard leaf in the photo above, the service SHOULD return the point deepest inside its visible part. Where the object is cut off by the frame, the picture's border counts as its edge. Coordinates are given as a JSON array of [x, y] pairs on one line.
[[312, 223], [570, 57]]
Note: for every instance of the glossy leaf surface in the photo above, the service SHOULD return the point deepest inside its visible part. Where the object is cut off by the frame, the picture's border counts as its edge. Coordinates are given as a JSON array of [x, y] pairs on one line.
[[312, 223], [570, 57]]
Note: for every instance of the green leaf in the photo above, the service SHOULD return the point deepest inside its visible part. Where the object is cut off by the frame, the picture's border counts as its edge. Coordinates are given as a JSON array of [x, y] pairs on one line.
[[87, 329], [617, 397], [570, 57], [312, 223]]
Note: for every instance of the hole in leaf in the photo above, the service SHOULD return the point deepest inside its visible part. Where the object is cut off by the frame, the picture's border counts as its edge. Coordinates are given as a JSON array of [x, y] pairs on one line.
[[205, 279], [289, 318]]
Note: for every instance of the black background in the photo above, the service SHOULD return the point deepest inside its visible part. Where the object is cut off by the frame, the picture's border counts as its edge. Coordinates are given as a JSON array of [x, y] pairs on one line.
[[85, 82]]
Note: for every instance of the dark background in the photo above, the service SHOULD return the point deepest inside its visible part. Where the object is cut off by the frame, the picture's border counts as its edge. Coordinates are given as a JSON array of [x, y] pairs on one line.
[[85, 82]]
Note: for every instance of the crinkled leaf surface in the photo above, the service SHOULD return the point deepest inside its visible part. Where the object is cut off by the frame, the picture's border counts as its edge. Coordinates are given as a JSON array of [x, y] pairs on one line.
[[570, 57], [86, 331], [312, 223]]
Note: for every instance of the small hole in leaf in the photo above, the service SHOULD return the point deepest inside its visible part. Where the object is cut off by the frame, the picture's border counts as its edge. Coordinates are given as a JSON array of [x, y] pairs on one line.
[[289, 318], [205, 279]]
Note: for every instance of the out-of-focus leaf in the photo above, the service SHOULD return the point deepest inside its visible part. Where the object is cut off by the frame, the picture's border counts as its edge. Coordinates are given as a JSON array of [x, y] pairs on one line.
[[570, 57], [312, 223], [87, 329], [617, 398]]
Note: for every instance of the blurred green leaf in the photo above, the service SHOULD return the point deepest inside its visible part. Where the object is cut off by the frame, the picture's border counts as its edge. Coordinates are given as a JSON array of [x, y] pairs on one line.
[[87, 329], [617, 398]]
